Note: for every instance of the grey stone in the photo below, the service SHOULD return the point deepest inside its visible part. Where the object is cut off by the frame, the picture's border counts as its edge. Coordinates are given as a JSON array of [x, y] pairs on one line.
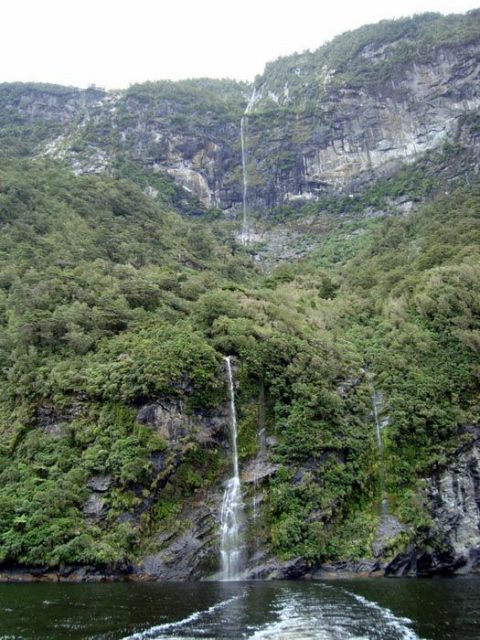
[[100, 482], [94, 507], [388, 529], [257, 470]]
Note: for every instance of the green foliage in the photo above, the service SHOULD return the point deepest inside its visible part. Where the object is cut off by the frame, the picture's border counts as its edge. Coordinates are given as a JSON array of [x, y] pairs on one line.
[[110, 300], [94, 296], [367, 56], [158, 360]]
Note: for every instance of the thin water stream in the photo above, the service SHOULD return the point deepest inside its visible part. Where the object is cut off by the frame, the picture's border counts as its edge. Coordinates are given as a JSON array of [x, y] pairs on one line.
[[377, 403], [245, 235]]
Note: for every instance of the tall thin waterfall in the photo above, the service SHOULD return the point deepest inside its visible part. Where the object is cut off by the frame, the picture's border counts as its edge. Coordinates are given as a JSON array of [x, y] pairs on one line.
[[378, 426], [377, 403], [245, 233], [231, 545]]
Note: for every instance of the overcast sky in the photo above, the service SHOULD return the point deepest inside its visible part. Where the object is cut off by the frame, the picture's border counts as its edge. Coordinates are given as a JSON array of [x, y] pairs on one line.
[[114, 43]]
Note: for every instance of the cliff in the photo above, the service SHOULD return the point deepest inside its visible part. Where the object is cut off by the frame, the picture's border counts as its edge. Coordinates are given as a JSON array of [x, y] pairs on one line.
[[319, 123], [351, 317]]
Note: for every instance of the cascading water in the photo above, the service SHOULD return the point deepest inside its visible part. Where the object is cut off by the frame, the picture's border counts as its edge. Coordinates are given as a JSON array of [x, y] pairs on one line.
[[244, 236], [245, 233], [378, 426], [231, 545], [377, 403]]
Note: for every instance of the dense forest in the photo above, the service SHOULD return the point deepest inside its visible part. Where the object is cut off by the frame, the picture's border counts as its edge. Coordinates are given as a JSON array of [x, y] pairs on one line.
[[122, 291]]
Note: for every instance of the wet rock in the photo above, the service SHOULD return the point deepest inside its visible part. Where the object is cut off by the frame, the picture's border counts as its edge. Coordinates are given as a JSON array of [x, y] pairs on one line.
[[453, 543], [347, 386], [100, 482], [258, 470], [169, 420], [455, 499], [94, 507], [388, 529], [173, 423], [158, 461], [415, 563], [276, 570], [404, 564], [344, 569], [188, 554], [54, 421], [127, 517], [49, 421], [271, 441]]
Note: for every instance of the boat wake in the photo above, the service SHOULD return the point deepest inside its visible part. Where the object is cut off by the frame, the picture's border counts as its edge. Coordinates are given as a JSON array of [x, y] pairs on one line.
[[164, 630], [321, 612], [341, 615]]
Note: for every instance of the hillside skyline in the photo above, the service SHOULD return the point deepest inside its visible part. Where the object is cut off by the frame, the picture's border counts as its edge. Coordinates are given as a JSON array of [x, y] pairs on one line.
[[114, 46]]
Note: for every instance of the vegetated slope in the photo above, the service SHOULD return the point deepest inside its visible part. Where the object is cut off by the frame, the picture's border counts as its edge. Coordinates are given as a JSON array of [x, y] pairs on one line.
[[90, 265], [106, 309], [116, 311], [107, 312]]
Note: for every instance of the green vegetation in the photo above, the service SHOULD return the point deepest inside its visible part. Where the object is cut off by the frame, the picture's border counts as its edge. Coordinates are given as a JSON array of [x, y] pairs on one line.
[[117, 307], [109, 301], [97, 285], [367, 56]]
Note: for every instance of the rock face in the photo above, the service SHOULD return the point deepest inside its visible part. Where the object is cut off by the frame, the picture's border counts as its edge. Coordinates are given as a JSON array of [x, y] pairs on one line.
[[319, 123], [455, 532], [346, 135], [174, 423], [100, 482], [388, 529], [455, 496], [190, 553], [188, 546]]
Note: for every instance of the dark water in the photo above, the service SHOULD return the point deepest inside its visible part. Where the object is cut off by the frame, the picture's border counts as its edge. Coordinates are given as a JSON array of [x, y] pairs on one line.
[[443, 609]]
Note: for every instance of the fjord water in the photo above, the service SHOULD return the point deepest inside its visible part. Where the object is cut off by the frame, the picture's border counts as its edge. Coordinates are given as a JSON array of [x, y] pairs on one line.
[[375, 609]]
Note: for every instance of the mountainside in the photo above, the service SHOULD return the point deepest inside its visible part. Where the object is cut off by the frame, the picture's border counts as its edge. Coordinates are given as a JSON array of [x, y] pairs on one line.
[[361, 106], [350, 311], [321, 123]]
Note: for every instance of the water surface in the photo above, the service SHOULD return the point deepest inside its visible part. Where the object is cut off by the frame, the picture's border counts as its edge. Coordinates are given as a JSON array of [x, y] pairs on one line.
[[438, 609]]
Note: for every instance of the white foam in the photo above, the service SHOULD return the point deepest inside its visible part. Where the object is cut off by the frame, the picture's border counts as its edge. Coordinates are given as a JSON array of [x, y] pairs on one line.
[[327, 619], [390, 619], [156, 632]]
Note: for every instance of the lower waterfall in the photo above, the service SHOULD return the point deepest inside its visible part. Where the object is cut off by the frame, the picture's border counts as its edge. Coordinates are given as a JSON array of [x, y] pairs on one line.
[[376, 404], [231, 519]]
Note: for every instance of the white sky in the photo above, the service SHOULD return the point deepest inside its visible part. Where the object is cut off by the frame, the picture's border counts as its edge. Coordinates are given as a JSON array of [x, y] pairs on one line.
[[114, 43]]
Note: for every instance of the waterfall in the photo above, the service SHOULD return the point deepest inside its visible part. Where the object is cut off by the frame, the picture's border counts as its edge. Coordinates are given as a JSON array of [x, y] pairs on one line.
[[378, 426], [377, 403], [245, 234], [231, 545]]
